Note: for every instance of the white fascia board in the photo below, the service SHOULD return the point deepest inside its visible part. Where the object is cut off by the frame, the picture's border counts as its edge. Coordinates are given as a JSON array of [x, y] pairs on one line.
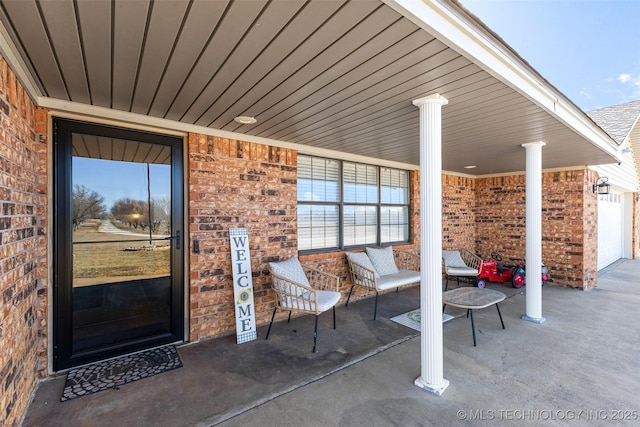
[[78, 111], [20, 69], [440, 19]]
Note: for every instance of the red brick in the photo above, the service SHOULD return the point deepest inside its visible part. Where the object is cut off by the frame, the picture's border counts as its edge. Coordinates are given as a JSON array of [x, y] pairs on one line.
[[23, 246]]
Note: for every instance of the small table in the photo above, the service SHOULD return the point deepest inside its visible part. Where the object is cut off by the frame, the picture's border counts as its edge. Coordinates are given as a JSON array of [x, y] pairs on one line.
[[473, 299]]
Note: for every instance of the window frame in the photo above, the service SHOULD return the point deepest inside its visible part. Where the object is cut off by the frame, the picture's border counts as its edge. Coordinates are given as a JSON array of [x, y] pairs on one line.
[[340, 204]]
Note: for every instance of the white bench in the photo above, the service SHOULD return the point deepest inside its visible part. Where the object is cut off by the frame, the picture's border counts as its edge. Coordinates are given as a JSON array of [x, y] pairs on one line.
[[380, 269]]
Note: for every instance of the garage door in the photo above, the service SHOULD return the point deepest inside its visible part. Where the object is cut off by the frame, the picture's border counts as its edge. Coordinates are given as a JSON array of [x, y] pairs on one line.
[[609, 229]]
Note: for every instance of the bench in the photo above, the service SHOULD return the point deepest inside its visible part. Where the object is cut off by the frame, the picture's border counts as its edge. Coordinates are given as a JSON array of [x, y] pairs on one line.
[[381, 269]]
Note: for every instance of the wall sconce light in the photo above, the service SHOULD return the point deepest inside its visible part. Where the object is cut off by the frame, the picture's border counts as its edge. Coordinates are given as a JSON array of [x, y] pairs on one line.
[[601, 186]]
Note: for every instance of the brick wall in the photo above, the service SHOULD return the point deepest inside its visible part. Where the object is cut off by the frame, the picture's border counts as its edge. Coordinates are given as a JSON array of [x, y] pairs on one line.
[[23, 244], [500, 217], [236, 184], [587, 277], [569, 223], [458, 212], [570, 227]]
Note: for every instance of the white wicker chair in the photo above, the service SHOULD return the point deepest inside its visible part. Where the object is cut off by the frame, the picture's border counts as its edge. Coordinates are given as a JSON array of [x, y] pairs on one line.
[[292, 284], [460, 263]]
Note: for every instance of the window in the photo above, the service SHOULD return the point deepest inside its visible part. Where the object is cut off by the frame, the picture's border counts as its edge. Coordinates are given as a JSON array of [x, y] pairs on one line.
[[347, 204], [394, 211], [318, 202]]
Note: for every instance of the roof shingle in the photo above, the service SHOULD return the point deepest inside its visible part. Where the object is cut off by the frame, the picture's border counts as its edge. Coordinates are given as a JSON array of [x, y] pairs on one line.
[[617, 120]]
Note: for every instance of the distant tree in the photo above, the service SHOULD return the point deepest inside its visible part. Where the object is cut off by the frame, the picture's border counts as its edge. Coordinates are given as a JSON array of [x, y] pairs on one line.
[[135, 213], [161, 210], [86, 204], [131, 212]]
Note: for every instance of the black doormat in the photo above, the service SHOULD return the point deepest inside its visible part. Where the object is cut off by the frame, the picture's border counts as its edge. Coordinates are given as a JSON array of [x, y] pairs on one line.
[[113, 373]]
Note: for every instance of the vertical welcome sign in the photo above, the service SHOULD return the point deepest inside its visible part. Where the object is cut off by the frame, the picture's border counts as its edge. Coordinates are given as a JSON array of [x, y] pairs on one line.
[[242, 286]]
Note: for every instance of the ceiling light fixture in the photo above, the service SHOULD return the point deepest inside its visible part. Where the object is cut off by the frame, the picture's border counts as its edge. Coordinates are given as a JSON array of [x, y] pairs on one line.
[[470, 167], [245, 120]]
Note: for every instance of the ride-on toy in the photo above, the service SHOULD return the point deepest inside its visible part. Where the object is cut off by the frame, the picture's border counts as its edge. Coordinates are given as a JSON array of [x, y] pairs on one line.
[[492, 271]]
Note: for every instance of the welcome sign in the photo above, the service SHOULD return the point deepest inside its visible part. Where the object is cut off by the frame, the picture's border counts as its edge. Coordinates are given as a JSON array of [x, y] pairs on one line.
[[242, 286]]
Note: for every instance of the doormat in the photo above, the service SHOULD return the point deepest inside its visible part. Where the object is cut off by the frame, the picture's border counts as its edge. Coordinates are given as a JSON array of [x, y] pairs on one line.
[[412, 319], [113, 373]]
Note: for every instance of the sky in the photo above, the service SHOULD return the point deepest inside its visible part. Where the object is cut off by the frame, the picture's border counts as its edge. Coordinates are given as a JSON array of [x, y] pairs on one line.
[[588, 49]]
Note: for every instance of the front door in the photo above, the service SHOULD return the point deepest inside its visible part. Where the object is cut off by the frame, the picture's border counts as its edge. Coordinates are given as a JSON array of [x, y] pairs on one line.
[[118, 259]]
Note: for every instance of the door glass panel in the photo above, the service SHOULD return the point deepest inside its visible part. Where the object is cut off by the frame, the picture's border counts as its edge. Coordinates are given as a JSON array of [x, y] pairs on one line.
[[121, 221]]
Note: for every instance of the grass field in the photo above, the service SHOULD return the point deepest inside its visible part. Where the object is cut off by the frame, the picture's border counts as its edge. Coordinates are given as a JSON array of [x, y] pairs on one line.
[[114, 257]]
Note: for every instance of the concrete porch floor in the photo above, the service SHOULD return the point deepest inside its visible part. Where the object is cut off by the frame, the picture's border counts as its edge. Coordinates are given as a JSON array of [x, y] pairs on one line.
[[580, 365]]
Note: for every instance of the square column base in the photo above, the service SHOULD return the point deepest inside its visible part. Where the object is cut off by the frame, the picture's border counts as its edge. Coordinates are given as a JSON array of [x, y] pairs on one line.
[[537, 320], [431, 388]]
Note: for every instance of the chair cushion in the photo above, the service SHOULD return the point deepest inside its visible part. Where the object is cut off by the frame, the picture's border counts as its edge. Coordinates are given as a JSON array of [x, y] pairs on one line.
[[290, 269], [327, 299], [401, 278], [462, 271], [363, 259], [382, 260], [453, 259]]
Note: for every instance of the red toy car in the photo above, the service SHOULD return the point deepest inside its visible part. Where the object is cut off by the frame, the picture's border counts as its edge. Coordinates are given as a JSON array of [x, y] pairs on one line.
[[492, 271]]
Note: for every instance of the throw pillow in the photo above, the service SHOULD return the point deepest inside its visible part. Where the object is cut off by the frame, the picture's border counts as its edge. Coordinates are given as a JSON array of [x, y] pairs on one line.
[[290, 269], [382, 260], [453, 259], [363, 259]]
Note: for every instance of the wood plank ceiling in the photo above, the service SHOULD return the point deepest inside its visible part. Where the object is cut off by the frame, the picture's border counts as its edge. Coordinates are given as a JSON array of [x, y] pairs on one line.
[[99, 147], [332, 74]]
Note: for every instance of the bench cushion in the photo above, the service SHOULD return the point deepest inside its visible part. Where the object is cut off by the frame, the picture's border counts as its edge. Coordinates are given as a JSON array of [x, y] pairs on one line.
[[383, 261], [401, 278]]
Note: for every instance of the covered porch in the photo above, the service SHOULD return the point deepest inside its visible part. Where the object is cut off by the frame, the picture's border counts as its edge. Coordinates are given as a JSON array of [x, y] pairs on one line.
[[580, 365]]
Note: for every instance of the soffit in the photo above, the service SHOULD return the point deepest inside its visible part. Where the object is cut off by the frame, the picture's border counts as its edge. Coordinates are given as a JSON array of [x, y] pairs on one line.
[[330, 74], [122, 150]]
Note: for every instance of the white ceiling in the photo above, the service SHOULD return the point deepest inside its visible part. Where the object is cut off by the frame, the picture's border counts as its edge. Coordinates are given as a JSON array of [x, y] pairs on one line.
[[328, 74]]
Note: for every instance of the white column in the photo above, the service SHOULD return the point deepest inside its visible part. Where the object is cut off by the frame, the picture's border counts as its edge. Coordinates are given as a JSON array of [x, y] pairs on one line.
[[534, 232], [432, 350]]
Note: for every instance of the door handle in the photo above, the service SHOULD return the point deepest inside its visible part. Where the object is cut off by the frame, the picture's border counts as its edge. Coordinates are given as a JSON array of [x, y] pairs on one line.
[[176, 238]]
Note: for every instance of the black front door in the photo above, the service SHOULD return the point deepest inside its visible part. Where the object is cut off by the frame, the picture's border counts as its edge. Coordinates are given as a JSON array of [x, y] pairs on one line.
[[118, 258]]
